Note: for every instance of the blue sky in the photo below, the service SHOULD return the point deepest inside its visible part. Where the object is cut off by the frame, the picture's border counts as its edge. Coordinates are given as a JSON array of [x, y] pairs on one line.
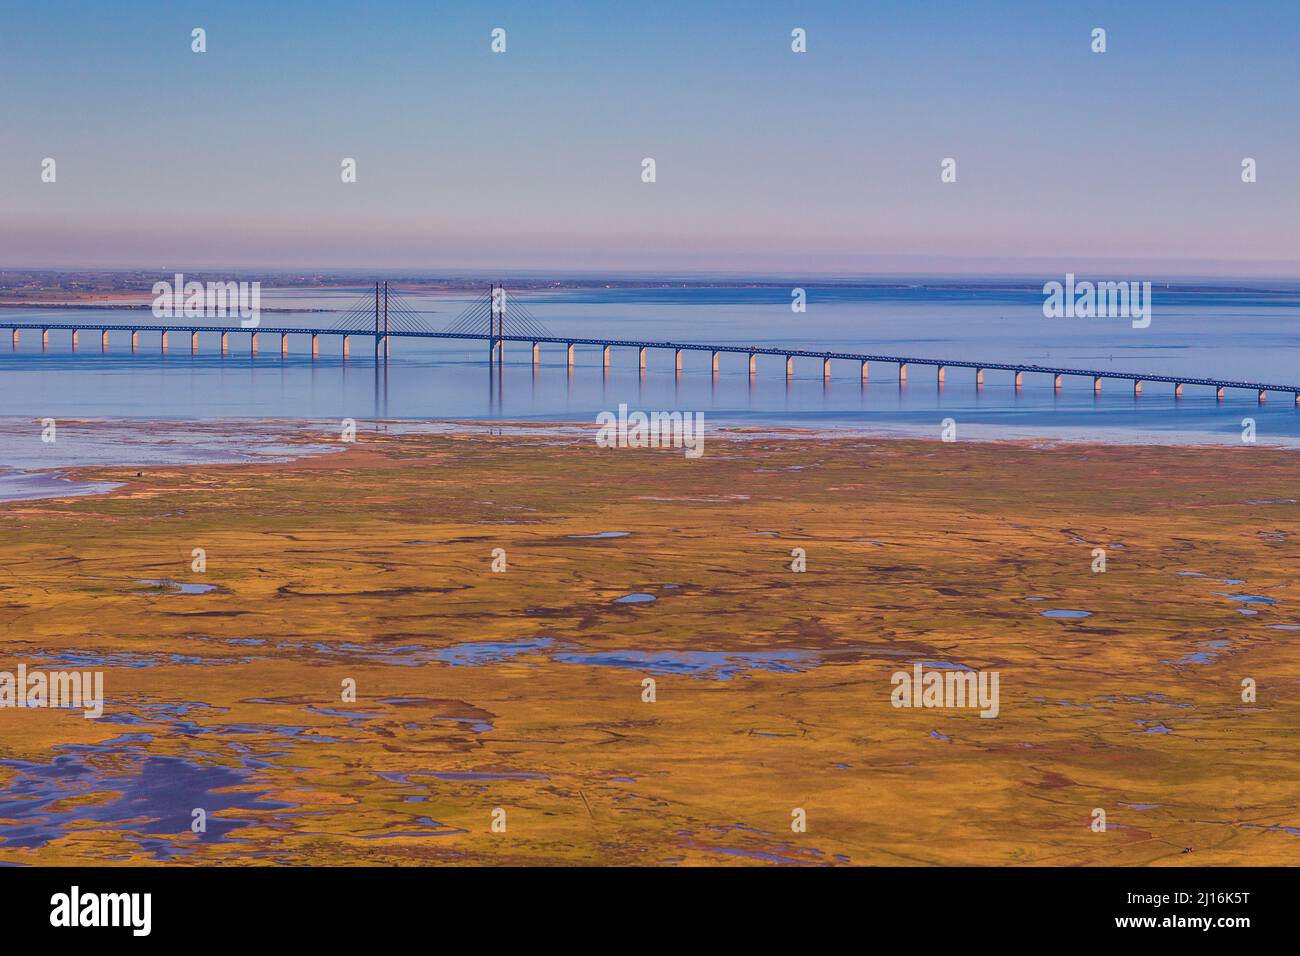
[[766, 160]]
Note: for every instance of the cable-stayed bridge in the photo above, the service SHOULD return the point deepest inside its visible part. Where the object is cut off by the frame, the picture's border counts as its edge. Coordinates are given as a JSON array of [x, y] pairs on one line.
[[497, 318]]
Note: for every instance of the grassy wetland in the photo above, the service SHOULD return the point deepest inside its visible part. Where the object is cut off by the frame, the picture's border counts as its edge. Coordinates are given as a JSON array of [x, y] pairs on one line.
[[518, 696]]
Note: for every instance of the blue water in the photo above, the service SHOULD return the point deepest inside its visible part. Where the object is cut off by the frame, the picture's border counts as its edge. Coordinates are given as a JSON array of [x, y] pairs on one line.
[[1239, 335]]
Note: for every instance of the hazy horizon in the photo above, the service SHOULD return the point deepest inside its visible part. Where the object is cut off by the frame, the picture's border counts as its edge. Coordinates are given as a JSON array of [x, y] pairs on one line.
[[767, 160]]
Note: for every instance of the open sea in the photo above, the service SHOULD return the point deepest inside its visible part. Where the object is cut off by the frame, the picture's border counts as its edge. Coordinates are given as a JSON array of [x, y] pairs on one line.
[[1250, 331]]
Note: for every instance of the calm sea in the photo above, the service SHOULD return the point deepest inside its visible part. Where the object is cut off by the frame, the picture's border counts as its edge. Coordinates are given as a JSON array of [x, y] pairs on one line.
[[1245, 333]]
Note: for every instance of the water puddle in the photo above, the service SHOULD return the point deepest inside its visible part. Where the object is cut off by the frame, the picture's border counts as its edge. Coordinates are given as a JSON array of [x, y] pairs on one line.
[[716, 664], [1065, 613], [601, 534], [166, 586], [637, 597]]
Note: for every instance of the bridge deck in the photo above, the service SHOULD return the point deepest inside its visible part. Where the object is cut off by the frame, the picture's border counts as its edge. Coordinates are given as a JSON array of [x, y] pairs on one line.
[[685, 346]]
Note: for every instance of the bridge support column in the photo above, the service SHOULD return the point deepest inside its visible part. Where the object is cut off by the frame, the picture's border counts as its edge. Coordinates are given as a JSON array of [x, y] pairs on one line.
[[826, 370], [1020, 379], [315, 345], [225, 342], [979, 378], [939, 375], [347, 346], [537, 354], [570, 356], [789, 367], [1297, 398], [1218, 393], [135, 341], [865, 366], [678, 361], [1263, 395], [641, 358], [75, 334], [163, 345], [902, 373], [1137, 387], [715, 363], [753, 364], [194, 343], [15, 339], [45, 339], [284, 343], [1178, 390], [252, 345], [1056, 383], [605, 356], [103, 340], [1096, 384]]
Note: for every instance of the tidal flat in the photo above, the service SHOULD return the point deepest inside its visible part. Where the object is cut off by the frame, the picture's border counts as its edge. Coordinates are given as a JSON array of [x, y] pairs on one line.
[[518, 696]]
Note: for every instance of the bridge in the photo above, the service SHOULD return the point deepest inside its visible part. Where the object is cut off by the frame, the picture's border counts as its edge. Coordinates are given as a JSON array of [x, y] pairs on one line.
[[388, 316]]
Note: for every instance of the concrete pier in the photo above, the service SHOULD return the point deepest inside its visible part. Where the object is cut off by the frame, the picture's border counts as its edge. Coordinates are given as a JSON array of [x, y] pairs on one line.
[[75, 334], [979, 378], [1137, 388], [1178, 390], [865, 367], [1263, 395], [753, 364], [605, 356], [715, 364], [162, 347], [570, 356], [1096, 384], [1056, 383], [45, 339], [826, 370], [225, 342], [640, 359], [284, 343], [347, 346], [678, 362], [315, 345], [15, 339], [789, 367], [1218, 394], [902, 372], [252, 345], [938, 375], [135, 341], [1020, 379], [103, 340]]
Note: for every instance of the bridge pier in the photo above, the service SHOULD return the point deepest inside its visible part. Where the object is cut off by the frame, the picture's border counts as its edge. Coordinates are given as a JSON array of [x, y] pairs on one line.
[[1096, 385], [715, 364], [1178, 390], [605, 356], [135, 341], [569, 352], [347, 346], [75, 333], [15, 339], [641, 358], [252, 344], [939, 375], [284, 343], [1263, 395], [753, 364], [789, 367], [45, 339], [902, 373], [1218, 393], [826, 369], [103, 340], [1137, 387], [163, 346], [1020, 379], [225, 342], [537, 354], [864, 371], [1297, 398], [315, 345], [678, 361], [979, 378], [194, 343], [1057, 383]]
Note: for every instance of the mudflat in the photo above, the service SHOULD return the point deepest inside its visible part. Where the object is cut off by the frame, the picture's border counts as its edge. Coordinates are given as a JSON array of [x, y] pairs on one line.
[[508, 716]]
